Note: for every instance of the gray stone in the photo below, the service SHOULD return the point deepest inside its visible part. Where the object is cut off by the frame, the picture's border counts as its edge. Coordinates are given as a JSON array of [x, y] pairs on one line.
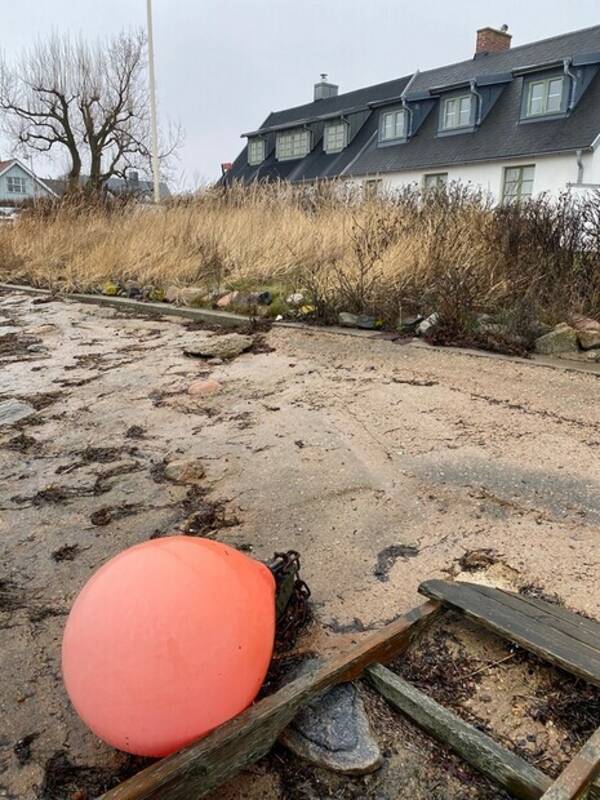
[[408, 324], [363, 321], [172, 294], [295, 299], [589, 339], [220, 346], [192, 296], [13, 410], [427, 324], [333, 732], [563, 339]]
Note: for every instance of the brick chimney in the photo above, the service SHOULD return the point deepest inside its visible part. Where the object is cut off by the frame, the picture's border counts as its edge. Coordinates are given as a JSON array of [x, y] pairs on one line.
[[491, 40]]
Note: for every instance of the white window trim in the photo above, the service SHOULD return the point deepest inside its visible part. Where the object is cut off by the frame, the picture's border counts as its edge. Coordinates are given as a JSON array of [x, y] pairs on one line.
[[545, 82], [293, 153], [458, 100], [519, 196], [382, 126], [21, 182], [328, 127], [254, 162]]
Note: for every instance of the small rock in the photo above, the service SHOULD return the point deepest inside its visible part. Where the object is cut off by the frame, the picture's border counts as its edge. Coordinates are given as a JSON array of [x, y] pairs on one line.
[[172, 294], [227, 299], [228, 346], [185, 470], [347, 320], [333, 732], [13, 410], [132, 289], [41, 330], [265, 298], [409, 324], [201, 388], [563, 339], [215, 362], [593, 355], [427, 324], [485, 698], [295, 299], [192, 296], [589, 338], [585, 324], [110, 289]]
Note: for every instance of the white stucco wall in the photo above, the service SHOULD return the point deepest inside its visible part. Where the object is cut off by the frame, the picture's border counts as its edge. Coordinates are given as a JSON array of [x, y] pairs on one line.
[[553, 174]]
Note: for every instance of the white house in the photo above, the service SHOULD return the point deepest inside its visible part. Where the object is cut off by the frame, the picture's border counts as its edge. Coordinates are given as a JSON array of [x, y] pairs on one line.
[[514, 121], [18, 183]]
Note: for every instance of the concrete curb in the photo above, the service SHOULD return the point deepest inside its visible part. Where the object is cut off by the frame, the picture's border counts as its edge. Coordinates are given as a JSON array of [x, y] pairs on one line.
[[228, 320]]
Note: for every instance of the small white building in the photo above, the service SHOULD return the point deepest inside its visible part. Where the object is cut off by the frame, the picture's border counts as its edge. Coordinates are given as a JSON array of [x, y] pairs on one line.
[[19, 184], [514, 121]]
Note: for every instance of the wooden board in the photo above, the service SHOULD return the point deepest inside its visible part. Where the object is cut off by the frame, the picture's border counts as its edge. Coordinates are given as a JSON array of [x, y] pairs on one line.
[[575, 780], [200, 767], [506, 769], [562, 637]]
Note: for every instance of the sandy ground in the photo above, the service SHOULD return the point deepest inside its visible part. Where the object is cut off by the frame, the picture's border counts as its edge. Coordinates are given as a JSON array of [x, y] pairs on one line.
[[340, 447]]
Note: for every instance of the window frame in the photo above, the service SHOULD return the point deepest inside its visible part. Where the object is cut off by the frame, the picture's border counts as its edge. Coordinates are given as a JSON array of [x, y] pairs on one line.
[[372, 188], [340, 123], [256, 140], [396, 137], [290, 134], [21, 181], [446, 129], [518, 196], [545, 80], [439, 184]]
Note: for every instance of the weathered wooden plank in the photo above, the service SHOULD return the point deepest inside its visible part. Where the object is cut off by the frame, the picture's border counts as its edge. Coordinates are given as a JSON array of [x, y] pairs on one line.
[[585, 630], [516, 623], [200, 767], [575, 780], [500, 765]]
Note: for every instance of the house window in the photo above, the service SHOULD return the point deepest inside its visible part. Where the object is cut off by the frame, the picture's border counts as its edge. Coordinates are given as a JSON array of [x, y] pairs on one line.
[[256, 151], [435, 180], [392, 125], [335, 137], [16, 184], [293, 144], [456, 112], [372, 188], [518, 183], [544, 97]]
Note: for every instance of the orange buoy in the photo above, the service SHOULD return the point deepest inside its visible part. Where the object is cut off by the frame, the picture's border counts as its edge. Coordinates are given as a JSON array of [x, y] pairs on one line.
[[168, 640]]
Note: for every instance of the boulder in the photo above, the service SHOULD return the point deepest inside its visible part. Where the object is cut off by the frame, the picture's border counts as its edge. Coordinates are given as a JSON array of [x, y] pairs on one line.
[[295, 299], [157, 295], [132, 289], [226, 346], [265, 298], [192, 296], [589, 338], [203, 388], [185, 470], [333, 732], [13, 410], [585, 324], [563, 339], [408, 324]]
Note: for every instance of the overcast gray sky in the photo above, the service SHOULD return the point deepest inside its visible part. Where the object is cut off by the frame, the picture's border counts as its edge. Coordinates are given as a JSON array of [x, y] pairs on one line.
[[222, 65]]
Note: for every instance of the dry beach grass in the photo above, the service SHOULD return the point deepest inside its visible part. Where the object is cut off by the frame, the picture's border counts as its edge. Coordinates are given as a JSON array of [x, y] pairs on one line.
[[452, 251]]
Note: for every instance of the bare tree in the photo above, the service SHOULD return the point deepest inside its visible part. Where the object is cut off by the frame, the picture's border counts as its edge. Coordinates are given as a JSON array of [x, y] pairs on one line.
[[90, 101]]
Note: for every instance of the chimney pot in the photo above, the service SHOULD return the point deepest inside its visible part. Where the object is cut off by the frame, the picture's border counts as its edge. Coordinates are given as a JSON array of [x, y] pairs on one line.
[[492, 40]]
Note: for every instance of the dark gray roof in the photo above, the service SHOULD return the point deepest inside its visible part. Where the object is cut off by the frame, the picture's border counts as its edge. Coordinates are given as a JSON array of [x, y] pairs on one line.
[[500, 136], [140, 188]]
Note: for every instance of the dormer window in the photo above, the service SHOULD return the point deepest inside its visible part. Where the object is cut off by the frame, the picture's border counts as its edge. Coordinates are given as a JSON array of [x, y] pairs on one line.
[[256, 151], [457, 112], [393, 125], [335, 136], [544, 97], [293, 144]]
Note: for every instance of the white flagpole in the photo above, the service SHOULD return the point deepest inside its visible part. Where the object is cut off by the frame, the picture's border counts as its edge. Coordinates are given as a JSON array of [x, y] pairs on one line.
[[155, 174]]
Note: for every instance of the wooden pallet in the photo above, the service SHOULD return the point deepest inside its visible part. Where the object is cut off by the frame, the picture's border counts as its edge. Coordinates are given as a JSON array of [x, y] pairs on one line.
[[564, 639]]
